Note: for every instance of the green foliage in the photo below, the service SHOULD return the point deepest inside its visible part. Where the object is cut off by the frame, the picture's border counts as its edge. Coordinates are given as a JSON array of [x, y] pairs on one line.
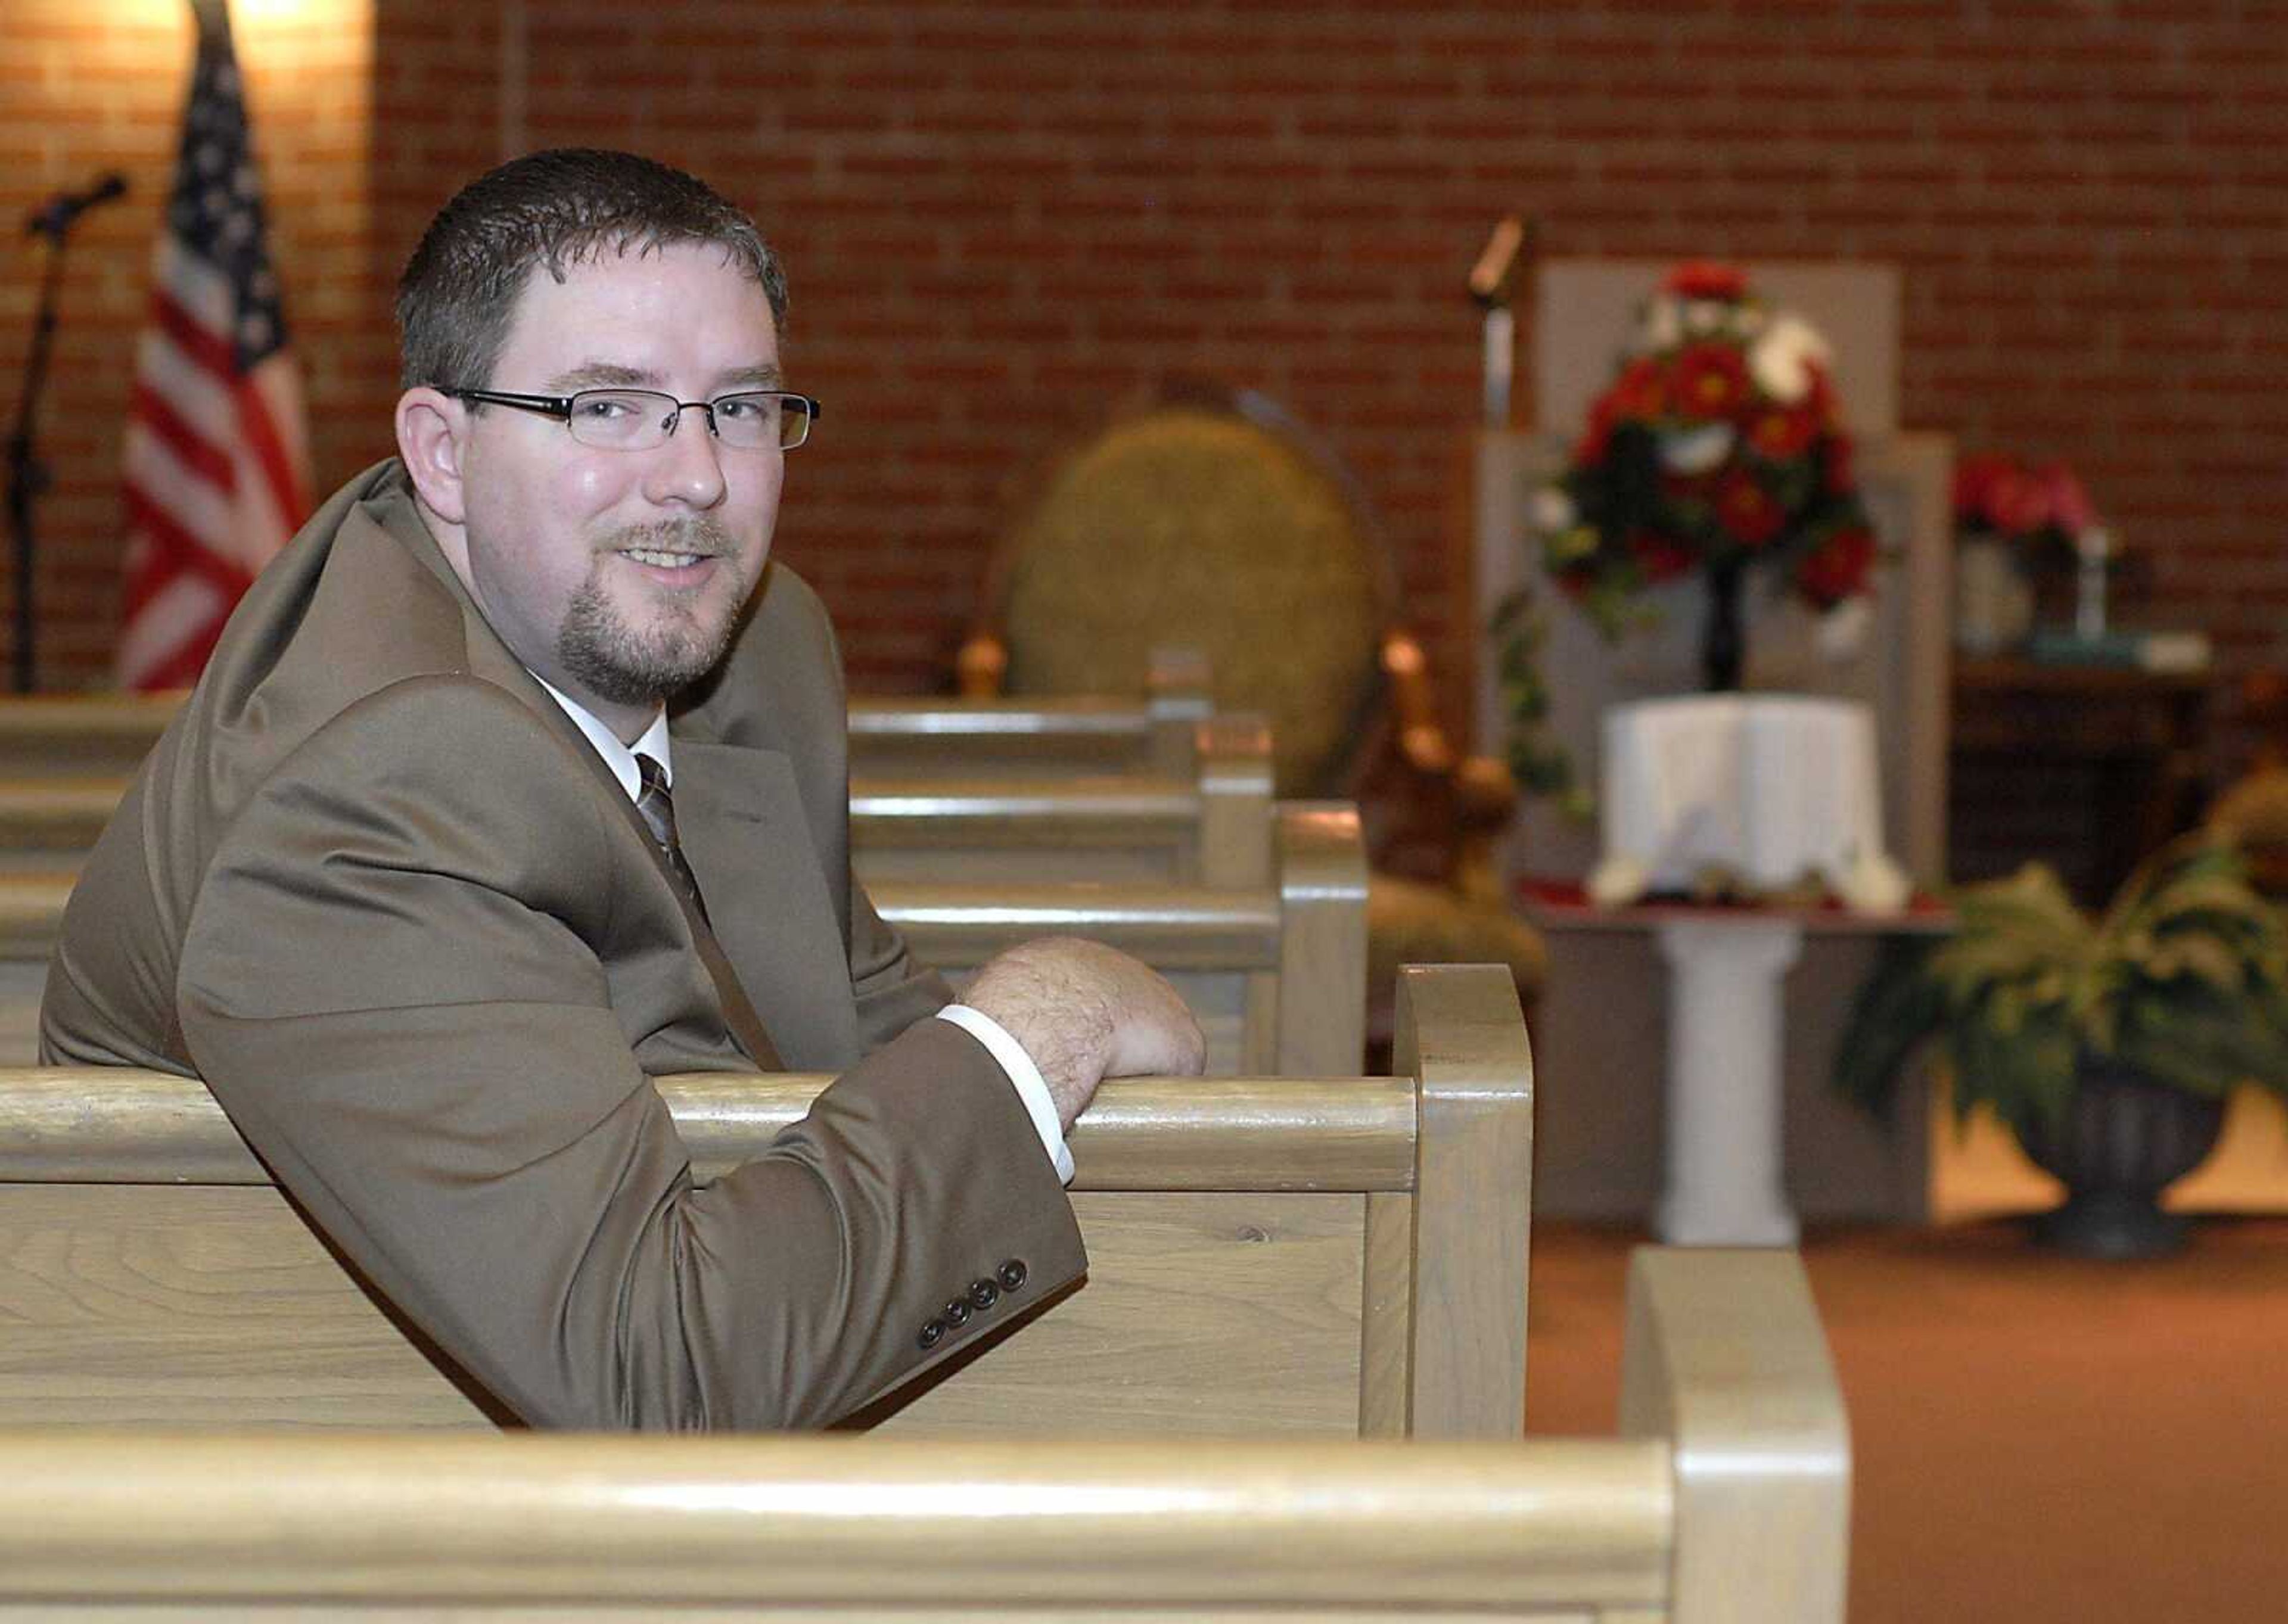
[[1539, 762], [2183, 976]]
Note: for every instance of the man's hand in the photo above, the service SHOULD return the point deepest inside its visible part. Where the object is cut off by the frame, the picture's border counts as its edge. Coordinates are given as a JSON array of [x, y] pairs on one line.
[[1085, 1012]]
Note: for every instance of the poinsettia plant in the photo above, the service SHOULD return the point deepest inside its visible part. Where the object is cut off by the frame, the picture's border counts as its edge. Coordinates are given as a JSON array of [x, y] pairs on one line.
[[1717, 448], [1999, 497]]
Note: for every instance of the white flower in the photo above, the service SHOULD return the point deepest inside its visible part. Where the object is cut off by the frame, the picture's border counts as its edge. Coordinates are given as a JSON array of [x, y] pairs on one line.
[[1782, 358], [1842, 632], [1664, 326], [1553, 509], [1617, 881], [1697, 450], [1875, 884]]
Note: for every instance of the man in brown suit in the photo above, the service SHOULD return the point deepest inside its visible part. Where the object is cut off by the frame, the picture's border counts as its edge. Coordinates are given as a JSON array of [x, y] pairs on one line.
[[428, 878]]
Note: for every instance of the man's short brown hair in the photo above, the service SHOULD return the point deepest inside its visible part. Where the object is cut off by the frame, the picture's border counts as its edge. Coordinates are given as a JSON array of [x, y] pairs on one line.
[[553, 210]]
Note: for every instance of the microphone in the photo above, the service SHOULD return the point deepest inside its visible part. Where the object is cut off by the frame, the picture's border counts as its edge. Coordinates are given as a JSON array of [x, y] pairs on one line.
[[54, 217]]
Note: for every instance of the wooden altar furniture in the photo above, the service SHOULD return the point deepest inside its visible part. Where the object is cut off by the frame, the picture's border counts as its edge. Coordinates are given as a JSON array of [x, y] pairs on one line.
[[2087, 767]]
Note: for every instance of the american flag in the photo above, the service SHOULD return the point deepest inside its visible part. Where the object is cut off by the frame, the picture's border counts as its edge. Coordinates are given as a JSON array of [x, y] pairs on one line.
[[216, 451]]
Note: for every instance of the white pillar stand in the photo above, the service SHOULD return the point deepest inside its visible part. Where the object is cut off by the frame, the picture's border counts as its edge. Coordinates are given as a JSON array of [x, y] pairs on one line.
[[1725, 987]]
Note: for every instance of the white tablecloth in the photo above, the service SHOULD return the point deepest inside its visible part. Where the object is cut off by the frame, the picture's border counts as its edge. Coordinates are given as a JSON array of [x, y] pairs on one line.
[[1765, 787]]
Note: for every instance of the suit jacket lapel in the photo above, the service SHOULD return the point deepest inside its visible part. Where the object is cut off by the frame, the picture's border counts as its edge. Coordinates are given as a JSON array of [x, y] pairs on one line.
[[489, 658], [741, 822]]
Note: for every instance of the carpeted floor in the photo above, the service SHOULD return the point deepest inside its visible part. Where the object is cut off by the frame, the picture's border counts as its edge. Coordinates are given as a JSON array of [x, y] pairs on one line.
[[2037, 1441]]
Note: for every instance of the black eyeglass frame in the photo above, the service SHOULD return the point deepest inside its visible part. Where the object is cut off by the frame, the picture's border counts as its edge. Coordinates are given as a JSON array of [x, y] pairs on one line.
[[560, 407]]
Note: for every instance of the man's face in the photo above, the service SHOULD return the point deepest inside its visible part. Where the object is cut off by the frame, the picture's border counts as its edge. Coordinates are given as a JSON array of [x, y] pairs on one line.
[[618, 575]]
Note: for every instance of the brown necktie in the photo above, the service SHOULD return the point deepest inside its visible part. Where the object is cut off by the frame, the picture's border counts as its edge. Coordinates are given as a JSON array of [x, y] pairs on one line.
[[656, 808]]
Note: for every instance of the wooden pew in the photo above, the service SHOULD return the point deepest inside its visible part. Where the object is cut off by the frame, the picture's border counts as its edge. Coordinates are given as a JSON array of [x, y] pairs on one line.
[[1723, 1500], [1058, 738], [79, 735], [48, 822], [1214, 828], [31, 913], [106, 735], [1206, 820], [1286, 1258], [1331, 1255], [1276, 971]]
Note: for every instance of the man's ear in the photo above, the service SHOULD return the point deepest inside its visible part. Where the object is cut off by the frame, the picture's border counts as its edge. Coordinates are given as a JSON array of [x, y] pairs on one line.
[[431, 435]]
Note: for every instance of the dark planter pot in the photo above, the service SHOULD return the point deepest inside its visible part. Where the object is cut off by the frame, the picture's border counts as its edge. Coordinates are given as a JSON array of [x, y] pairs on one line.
[[2123, 1141]]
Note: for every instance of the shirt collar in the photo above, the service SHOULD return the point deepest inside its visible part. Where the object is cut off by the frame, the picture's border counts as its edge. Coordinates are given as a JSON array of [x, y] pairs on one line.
[[620, 758]]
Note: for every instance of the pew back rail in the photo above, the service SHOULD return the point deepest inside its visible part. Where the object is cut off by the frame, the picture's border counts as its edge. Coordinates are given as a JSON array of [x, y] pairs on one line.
[[1725, 1362], [1276, 975], [1276, 971], [1260, 1254]]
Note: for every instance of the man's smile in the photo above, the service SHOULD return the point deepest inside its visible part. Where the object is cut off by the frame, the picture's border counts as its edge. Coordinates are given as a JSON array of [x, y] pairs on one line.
[[659, 558]]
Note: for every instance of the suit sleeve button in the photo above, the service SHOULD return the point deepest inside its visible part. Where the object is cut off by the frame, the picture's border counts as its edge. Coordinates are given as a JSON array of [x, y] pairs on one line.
[[1013, 1274], [933, 1333], [984, 1294], [956, 1313]]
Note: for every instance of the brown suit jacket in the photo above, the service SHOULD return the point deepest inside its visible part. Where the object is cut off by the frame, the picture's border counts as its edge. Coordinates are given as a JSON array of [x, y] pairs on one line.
[[375, 888]]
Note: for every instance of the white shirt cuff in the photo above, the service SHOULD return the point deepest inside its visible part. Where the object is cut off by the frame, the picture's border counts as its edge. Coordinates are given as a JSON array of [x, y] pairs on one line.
[[1031, 1087]]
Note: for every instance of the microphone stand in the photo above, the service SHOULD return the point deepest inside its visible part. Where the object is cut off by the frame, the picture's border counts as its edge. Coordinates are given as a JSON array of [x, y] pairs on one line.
[[27, 475]]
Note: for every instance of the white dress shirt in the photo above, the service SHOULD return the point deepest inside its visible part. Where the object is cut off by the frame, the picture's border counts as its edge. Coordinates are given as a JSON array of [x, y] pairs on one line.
[[1024, 1076]]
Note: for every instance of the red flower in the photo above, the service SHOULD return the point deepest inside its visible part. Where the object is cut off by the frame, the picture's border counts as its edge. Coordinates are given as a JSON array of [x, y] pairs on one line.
[[1589, 451], [1710, 381], [1837, 568], [1639, 393], [1835, 471], [1687, 486], [1973, 484], [2016, 502], [1997, 492], [1819, 393], [1705, 278], [1658, 557], [1746, 509], [1783, 433]]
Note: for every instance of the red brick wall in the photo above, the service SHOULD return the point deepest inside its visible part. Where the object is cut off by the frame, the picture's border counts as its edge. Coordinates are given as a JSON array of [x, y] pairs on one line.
[[86, 88], [998, 216]]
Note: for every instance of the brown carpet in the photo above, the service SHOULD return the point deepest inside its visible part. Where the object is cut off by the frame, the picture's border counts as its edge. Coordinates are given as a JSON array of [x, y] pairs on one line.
[[2035, 1439]]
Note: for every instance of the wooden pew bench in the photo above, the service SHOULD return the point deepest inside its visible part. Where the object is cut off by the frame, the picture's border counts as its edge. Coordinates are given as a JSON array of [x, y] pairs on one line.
[[1276, 971], [1276, 974], [1331, 1255], [81, 735], [106, 735], [1270, 1260], [1211, 828], [31, 913], [1206, 821], [1037, 738], [1723, 1500], [48, 822]]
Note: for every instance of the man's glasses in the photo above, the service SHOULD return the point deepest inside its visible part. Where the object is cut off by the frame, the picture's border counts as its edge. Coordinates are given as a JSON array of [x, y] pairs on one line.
[[642, 419]]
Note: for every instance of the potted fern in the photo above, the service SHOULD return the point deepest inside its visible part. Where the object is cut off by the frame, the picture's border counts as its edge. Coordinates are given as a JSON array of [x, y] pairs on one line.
[[2107, 1043]]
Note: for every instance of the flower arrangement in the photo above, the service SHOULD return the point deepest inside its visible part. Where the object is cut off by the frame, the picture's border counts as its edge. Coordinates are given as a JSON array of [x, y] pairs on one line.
[[1999, 498], [1717, 448]]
